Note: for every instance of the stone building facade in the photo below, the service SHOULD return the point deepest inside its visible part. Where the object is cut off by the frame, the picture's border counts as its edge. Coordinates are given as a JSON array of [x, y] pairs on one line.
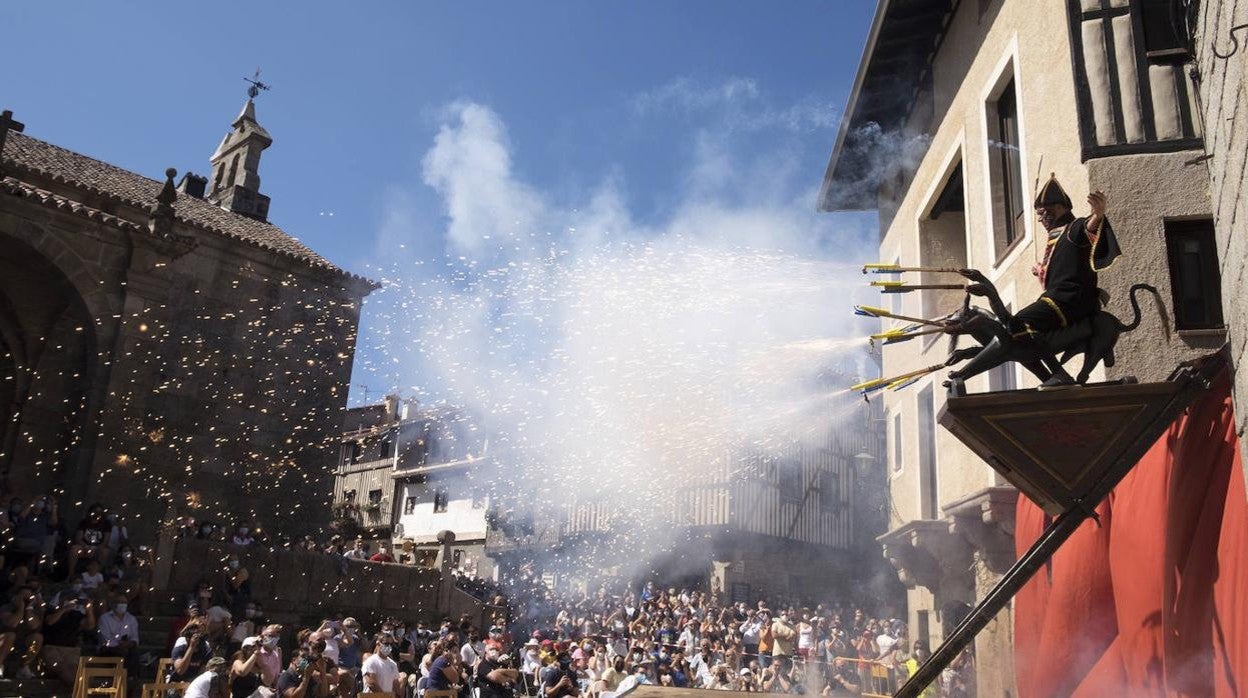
[[958, 111], [161, 348], [1219, 35], [406, 475]]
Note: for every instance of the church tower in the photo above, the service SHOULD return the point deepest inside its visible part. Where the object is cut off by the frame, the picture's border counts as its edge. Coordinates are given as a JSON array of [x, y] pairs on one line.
[[235, 183]]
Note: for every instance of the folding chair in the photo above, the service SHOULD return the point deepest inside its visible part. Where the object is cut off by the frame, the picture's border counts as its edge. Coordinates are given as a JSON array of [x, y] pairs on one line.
[[100, 676]]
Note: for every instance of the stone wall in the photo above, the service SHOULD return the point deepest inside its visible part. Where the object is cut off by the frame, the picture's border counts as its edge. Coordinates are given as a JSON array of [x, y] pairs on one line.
[[210, 373], [309, 586], [1224, 110]]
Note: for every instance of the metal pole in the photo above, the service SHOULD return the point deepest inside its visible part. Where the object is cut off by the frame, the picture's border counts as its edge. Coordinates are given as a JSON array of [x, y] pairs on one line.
[[987, 609]]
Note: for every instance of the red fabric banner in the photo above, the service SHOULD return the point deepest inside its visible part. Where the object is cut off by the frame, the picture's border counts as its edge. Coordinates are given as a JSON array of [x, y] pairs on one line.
[[1154, 600]]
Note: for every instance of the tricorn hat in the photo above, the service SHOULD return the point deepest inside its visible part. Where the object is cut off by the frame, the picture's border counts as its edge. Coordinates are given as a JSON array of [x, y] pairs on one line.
[[1052, 193]]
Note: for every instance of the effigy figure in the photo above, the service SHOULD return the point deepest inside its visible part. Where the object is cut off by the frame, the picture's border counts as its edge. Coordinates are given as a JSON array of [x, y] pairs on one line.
[[1066, 319]]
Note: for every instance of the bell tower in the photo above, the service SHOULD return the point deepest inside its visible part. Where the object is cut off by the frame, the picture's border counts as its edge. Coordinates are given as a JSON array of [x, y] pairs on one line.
[[235, 179]]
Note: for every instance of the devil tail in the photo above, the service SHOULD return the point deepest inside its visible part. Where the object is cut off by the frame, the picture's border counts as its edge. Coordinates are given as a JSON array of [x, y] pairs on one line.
[[1135, 308]]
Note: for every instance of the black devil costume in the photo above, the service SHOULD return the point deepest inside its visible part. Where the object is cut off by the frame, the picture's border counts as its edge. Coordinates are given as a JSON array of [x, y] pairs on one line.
[[1073, 256]]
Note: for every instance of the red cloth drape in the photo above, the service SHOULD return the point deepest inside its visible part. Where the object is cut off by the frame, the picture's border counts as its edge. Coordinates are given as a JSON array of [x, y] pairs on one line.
[[1154, 600]]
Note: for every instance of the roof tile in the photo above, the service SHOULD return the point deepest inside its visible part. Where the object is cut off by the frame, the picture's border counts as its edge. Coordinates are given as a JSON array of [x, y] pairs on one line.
[[107, 180]]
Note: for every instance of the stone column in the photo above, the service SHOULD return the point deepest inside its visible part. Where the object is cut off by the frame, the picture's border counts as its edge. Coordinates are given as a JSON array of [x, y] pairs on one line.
[[447, 586]]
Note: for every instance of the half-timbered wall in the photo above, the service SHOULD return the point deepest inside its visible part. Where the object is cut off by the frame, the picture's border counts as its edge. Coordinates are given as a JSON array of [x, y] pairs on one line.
[[1128, 101]]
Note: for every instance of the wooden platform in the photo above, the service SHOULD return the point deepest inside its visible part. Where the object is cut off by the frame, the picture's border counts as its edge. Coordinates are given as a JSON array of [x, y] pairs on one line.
[[1055, 446]]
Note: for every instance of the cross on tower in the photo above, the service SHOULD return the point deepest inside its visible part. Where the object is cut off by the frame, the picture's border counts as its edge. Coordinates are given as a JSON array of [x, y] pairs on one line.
[[256, 85], [6, 123]]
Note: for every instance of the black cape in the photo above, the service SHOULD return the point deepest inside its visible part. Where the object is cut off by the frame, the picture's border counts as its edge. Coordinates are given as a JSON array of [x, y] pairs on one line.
[[1076, 257]]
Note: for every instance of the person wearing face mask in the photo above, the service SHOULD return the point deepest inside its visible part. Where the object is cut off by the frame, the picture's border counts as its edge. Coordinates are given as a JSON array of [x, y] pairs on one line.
[[783, 635], [381, 673], [561, 680], [248, 626], [242, 535], [270, 655], [350, 644], [245, 670], [495, 679], [90, 538], [235, 582], [206, 529], [119, 635]]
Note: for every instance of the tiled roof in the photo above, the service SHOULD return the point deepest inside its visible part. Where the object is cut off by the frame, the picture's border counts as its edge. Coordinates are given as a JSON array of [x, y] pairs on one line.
[[47, 198], [21, 152]]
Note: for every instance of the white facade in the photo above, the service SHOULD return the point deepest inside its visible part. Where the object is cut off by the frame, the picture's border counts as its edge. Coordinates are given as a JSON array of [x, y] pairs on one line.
[[1029, 87], [440, 498]]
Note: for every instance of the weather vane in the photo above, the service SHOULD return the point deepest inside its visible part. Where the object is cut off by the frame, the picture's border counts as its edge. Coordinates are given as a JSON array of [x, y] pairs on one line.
[[256, 85]]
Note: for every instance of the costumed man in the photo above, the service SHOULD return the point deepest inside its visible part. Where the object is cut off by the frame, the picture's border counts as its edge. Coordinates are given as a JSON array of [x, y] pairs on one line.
[[1076, 249]]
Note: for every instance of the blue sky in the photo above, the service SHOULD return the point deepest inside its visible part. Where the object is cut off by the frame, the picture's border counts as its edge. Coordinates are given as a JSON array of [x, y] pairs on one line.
[[669, 106]]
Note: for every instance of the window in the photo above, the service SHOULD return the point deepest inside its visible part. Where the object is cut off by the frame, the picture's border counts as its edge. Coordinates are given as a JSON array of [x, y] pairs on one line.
[[348, 497], [1006, 168], [387, 447], [440, 500], [1162, 39], [374, 496], [409, 505], [1195, 281], [830, 491], [790, 481], [897, 444], [925, 627], [351, 453], [928, 495], [740, 592], [457, 557]]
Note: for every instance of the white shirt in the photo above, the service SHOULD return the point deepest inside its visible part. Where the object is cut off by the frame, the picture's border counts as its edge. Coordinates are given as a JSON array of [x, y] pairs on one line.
[[201, 687], [886, 643], [91, 581], [750, 630], [331, 649], [469, 654], [384, 669], [113, 629], [530, 662]]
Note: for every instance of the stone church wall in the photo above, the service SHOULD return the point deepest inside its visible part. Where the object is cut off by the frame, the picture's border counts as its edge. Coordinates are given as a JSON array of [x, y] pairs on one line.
[[213, 371]]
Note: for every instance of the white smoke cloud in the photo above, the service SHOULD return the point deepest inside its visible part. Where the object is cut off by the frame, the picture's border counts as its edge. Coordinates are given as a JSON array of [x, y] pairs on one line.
[[611, 360], [738, 103]]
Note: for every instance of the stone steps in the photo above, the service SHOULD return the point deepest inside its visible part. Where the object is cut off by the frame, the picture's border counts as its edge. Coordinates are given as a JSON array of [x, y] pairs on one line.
[[34, 688]]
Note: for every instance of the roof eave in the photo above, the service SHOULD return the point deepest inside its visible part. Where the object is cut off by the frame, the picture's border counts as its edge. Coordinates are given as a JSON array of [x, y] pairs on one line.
[[828, 200]]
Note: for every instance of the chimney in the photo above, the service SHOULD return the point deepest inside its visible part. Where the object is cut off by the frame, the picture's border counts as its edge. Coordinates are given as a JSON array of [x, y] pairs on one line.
[[392, 406], [193, 185]]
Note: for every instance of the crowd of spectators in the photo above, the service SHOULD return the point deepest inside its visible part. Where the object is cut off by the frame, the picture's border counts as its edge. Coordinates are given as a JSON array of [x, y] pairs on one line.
[[70, 593]]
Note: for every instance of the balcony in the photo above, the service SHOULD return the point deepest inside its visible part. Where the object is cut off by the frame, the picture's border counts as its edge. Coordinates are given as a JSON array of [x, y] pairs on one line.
[[365, 517]]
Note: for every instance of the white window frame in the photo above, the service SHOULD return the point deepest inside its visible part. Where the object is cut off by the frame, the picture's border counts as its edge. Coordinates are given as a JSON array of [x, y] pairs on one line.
[[1006, 69]]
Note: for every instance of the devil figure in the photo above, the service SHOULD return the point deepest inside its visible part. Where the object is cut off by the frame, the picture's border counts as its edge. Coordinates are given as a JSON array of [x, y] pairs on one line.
[[1076, 249]]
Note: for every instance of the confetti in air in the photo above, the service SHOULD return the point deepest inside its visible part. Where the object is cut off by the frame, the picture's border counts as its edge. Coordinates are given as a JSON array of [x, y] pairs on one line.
[[608, 364]]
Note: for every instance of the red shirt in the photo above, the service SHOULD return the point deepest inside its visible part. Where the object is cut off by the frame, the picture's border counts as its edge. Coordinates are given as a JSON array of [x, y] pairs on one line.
[[382, 557]]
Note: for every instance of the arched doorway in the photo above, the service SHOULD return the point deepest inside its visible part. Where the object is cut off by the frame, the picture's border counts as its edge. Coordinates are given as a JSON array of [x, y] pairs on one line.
[[47, 347]]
